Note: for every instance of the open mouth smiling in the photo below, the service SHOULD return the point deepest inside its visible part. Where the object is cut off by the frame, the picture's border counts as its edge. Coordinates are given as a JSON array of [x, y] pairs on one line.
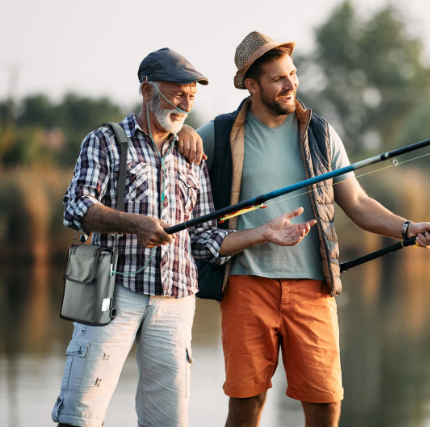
[[286, 98]]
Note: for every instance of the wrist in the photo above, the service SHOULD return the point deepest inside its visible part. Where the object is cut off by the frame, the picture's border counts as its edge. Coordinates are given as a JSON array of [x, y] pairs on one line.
[[130, 221], [263, 234], [411, 231], [406, 230]]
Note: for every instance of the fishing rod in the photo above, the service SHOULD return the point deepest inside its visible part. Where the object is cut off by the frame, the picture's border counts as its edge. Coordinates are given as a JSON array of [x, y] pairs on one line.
[[258, 201], [345, 266]]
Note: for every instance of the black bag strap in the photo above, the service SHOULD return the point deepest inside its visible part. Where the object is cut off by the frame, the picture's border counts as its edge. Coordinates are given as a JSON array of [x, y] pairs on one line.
[[122, 138]]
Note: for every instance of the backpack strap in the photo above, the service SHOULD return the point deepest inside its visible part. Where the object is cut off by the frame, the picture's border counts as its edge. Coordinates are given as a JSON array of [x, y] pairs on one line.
[[122, 138]]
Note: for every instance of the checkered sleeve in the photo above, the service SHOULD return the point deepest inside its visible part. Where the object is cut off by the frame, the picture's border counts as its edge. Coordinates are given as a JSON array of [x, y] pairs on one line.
[[206, 239], [89, 183]]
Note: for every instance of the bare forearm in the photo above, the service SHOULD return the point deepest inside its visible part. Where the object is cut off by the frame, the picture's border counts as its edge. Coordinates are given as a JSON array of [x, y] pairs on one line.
[[241, 240], [149, 231], [279, 230], [371, 216], [101, 219], [366, 212]]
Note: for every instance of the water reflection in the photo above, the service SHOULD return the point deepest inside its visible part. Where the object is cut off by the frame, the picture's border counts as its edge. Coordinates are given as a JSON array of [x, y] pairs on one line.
[[385, 347]]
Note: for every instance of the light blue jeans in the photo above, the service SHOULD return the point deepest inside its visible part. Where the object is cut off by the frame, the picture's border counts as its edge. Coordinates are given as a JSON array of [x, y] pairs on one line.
[[161, 327]]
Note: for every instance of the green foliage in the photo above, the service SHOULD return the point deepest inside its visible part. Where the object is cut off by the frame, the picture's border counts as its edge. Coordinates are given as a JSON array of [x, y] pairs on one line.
[[46, 133], [368, 76], [12, 226]]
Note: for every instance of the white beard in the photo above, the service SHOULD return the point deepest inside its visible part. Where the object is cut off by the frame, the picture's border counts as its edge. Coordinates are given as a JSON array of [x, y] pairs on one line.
[[163, 116]]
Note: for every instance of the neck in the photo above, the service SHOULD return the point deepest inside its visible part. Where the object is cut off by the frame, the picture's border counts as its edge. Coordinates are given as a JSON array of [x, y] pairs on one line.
[[265, 115], [159, 135]]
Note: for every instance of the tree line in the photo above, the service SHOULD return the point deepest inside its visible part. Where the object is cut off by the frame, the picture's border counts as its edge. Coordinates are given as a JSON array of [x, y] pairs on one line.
[[367, 76]]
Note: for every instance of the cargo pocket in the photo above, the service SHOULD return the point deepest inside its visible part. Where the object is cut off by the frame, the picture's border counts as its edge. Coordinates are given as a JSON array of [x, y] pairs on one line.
[[75, 365], [189, 361]]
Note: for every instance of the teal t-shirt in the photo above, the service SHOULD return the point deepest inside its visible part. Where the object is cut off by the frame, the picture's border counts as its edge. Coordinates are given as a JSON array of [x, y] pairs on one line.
[[273, 160]]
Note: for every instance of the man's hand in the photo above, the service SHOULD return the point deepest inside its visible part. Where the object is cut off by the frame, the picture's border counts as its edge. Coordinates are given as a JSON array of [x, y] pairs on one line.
[[422, 231], [150, 231], [190, 145], [279, 231], [282, 232]]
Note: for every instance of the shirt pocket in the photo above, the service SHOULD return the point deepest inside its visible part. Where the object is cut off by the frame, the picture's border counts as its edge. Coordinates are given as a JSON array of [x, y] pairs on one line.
[[188, 188], [136, 185]]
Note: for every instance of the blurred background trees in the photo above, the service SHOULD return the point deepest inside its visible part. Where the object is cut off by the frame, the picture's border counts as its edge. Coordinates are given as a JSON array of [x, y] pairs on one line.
[[367, 76], [41, 132]]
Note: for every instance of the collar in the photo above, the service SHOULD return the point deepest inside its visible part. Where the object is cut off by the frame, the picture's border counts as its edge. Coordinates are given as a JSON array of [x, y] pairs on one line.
[[131, 127], [302, 113]]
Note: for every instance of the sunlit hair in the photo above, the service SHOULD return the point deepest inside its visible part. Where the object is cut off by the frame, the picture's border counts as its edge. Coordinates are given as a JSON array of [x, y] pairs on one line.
[[255, 71]]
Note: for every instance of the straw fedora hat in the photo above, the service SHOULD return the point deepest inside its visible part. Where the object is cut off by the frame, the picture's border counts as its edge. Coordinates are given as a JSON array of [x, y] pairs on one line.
[[253, 46]]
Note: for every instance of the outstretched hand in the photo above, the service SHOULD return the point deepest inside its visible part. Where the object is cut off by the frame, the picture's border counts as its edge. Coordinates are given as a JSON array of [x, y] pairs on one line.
[[283, 232]]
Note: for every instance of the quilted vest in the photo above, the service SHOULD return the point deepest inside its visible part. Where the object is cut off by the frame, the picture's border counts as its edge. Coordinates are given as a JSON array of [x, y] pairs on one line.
[[315, 145]]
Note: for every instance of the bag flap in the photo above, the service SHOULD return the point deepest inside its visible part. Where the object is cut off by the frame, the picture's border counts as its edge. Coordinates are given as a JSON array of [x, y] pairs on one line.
[[83, 262]]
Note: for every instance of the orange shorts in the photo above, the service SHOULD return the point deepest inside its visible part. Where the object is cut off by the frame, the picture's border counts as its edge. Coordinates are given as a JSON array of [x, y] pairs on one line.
[[259, 315]]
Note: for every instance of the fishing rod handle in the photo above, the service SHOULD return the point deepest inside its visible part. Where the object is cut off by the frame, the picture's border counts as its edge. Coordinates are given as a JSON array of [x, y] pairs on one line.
[[345, 266]]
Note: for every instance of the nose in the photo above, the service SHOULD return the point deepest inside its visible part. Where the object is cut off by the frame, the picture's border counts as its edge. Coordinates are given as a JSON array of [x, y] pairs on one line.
[[289, 84], [186, 104]]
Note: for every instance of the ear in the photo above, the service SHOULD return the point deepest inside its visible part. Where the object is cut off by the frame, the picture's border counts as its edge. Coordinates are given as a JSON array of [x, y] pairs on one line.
[[146, 90], [252, 86]]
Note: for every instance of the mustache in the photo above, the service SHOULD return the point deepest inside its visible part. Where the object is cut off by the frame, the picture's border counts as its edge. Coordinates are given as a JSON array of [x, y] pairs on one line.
[[176, 112], [288, 92]]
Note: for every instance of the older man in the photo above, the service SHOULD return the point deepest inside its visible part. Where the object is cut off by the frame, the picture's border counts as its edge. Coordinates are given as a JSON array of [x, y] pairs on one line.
[[156, 306], [280, 297]]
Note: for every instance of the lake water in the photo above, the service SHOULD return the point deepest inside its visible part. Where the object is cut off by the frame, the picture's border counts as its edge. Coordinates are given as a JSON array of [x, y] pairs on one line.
[[384, 315]]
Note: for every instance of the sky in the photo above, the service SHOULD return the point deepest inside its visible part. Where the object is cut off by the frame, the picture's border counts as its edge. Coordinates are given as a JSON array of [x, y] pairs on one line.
[[94, 47]]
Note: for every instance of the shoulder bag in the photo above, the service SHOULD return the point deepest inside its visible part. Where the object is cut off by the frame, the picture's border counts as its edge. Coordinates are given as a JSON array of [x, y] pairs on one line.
[[89, 281]]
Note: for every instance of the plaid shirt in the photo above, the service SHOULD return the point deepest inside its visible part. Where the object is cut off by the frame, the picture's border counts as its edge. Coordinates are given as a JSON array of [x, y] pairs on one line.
[[172, 270]]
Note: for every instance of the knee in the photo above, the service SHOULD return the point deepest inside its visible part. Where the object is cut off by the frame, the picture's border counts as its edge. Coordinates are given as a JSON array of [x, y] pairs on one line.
[[333, 407], [329, 411], [248, 408]]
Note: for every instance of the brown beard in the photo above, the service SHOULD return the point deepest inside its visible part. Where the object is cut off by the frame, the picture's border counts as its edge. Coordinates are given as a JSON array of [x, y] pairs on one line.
[[274, 106]]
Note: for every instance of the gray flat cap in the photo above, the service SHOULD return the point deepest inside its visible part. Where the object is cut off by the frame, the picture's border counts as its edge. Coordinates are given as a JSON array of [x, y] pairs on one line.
[[166, 65]]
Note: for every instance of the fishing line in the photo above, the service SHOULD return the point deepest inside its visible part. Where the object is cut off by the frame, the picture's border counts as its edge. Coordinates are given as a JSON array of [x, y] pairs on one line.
[[395, 164], [164, 176]]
